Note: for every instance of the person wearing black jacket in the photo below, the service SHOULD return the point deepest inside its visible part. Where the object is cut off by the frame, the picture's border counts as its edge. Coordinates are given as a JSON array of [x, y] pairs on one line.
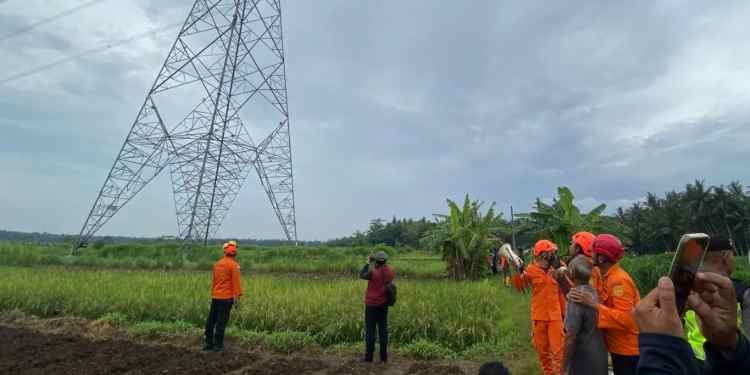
[[662, 343]]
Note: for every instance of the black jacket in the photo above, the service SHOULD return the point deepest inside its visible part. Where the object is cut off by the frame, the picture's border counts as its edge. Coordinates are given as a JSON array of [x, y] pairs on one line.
[[664, 354]]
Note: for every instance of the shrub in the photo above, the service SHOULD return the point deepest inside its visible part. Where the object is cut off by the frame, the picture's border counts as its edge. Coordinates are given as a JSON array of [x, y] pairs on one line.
[[424, 349], [288, 341]]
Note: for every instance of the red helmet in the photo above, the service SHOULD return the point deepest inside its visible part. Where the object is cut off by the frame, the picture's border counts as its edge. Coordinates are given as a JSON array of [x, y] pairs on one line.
[[609, 246], [230, 248], [585, 240], [544, 246]]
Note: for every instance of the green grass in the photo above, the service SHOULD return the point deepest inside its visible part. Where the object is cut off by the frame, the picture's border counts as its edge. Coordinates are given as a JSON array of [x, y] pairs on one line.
[[647, 269], [169, 256], [456, 317]]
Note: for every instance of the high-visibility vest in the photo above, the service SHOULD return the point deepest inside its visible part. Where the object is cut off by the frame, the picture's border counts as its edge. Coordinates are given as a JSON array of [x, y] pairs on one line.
[[693, 332]]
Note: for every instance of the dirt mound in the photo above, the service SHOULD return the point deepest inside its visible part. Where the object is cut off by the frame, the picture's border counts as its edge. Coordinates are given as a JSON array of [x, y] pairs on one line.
[[69, 345], [29, 352], [284, 365], [358, 368], [433, 369]]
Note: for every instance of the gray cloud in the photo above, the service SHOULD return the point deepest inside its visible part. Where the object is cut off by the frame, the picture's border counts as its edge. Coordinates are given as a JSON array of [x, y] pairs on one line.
[[396, 106]]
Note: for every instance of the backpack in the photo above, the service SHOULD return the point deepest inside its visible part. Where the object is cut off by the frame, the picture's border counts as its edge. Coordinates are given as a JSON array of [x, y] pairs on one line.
[[390, 290]]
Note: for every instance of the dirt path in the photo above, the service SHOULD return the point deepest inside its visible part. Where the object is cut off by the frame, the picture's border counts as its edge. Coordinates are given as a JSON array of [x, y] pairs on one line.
[[75, 346]]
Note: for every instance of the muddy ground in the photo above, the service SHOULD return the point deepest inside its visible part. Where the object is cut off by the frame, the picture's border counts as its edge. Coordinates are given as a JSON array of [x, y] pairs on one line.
[[29, 345]]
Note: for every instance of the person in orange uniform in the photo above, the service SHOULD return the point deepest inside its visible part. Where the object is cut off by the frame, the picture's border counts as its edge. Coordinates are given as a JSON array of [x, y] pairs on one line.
[[619, 296], [225, 292], [546, 316], [581, 245]]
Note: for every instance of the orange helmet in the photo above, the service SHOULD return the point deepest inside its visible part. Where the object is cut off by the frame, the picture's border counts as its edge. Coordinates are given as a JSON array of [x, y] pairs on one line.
[[230, 248], [544, 246], [584, 240]]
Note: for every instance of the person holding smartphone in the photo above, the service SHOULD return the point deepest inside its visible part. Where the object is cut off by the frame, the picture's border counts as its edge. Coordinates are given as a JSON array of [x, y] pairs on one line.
[[719, 259], [376, 304], [664, 350], [618, 297]]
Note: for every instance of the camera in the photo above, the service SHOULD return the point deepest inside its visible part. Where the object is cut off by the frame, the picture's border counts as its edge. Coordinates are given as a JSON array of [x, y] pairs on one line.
[[553, 259]]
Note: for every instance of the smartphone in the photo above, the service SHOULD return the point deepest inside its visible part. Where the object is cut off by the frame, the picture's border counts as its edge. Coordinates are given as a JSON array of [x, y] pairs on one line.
[[685, 264]]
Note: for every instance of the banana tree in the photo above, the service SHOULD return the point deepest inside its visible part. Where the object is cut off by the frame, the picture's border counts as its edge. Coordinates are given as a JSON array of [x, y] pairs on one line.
[[465, 236], [561, 219]]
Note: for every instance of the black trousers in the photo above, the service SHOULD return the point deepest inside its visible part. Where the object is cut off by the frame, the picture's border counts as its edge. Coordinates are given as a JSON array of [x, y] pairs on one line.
[[217, 320], [376, 316], [624, 364]]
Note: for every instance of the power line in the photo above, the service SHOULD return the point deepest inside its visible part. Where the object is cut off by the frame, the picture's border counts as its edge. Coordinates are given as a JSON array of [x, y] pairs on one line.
[[85, 53], [47, 20]]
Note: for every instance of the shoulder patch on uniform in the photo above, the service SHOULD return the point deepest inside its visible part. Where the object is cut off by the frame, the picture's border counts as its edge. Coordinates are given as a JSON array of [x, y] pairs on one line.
[[618, 290]]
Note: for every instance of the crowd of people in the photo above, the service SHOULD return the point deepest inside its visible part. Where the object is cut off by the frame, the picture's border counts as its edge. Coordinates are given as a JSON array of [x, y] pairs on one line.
[[589, 306], [583, 309]]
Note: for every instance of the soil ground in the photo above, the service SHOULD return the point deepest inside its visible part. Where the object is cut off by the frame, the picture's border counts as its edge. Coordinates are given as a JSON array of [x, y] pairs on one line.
[[29, 345]]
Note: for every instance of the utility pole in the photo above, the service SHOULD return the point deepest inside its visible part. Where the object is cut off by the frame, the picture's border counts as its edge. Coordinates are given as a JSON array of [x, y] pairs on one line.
[[513, 231]]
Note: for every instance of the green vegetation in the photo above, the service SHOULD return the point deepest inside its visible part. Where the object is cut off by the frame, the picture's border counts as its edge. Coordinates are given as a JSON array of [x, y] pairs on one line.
[[561, 219], [465, 236], [287, 259], [657, 223], [647, 269], [395, 233], [652, 225], [431, 317]]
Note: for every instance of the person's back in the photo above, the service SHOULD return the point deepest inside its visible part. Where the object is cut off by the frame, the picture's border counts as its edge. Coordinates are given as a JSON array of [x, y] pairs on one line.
[[226, 275], [590, 354], [226, 290], [376, 304], [376, 295], [585, 350]]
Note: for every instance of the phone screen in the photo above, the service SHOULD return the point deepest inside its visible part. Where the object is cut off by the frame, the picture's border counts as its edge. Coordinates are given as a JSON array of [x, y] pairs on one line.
[[687, 260]]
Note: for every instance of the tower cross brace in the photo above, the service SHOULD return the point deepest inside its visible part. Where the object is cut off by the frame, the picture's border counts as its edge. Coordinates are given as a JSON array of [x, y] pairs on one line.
[[226, 63]]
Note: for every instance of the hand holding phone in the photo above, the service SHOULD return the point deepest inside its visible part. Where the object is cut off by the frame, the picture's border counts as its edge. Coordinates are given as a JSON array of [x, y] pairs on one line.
[[687, 259]]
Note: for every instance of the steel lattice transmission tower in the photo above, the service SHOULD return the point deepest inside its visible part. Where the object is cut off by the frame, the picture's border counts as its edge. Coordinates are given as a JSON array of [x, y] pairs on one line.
[[228, 60]]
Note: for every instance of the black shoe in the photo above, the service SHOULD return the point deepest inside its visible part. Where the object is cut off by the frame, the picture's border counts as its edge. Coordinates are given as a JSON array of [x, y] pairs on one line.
[[365, 360], [208, 347], [218, 348]]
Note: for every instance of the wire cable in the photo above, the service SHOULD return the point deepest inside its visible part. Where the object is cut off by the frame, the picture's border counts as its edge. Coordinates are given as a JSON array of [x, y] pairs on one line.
[[47, 20], [87, 52]]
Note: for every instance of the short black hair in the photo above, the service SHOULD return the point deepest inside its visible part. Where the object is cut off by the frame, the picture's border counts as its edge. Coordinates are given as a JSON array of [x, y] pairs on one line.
[[721, 244], [494, 368]]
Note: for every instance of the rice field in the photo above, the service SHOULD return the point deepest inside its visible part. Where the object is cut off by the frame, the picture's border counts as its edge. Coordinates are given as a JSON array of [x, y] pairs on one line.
[[458, 317], [342, 261]]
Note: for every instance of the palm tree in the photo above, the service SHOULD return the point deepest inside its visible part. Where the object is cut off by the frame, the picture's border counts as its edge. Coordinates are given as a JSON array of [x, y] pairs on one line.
[[697, 199], [739, 215]]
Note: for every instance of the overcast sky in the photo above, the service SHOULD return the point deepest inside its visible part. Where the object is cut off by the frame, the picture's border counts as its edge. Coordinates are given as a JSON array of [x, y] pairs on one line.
[[395, 105]]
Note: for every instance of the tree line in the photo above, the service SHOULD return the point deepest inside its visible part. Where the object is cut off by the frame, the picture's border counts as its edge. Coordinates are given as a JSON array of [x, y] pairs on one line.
[[649, 226], [658, 222]]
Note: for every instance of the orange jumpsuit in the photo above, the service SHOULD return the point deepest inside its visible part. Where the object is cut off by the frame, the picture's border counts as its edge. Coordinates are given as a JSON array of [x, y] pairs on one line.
[[546, 318], [619, 296], [226, 279]]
